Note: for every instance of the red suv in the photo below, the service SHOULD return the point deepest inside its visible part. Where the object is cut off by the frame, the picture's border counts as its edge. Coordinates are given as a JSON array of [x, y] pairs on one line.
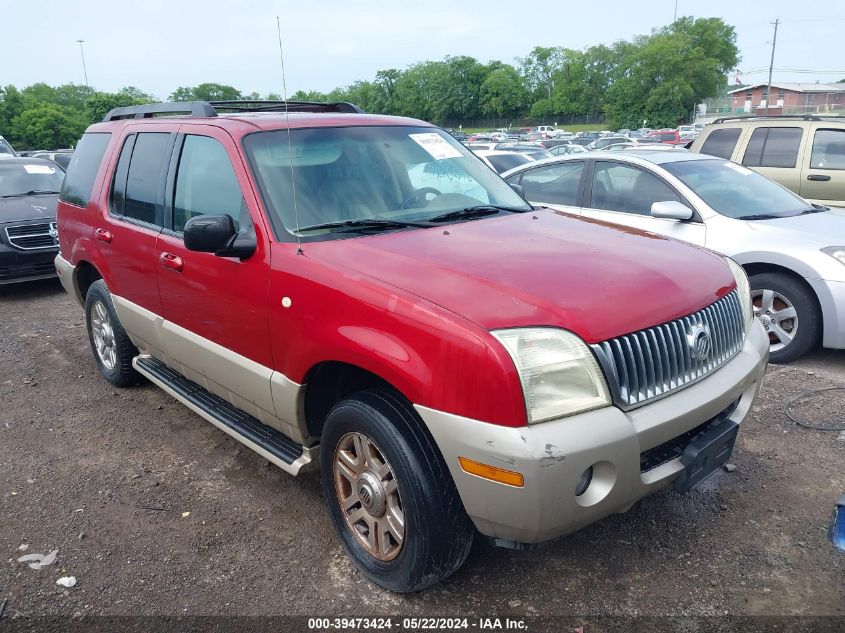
[[362, 293]]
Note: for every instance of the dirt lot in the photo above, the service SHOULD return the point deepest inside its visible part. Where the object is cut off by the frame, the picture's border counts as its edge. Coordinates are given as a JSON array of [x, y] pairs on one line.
[[109, 476]]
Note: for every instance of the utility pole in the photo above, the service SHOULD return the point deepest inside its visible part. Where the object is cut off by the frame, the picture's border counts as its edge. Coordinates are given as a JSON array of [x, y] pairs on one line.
[[771, 65], [84, 70], [676, 12]]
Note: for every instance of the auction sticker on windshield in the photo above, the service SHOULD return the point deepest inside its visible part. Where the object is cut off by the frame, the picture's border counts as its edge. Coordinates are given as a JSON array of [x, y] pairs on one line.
[[739, 169], [39, 169], [435, 145]]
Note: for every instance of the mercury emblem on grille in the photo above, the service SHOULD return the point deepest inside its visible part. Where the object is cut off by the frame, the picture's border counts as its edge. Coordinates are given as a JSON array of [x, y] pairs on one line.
[[698, 340], [54, 230]]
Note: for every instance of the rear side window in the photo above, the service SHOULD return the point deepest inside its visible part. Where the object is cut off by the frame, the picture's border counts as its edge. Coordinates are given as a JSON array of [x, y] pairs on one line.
[[555, 184], [828, 150], [83, 168], [139, 177], [773, 147], [721, 143]]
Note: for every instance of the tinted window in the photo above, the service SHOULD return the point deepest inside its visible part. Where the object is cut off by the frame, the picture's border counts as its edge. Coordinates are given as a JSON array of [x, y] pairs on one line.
[[773, 147], [618, 187], [721, 143], [206, 183], [828, 150], [118, 187], [554, 184], [503, 162], [83, 168], [146, 168]]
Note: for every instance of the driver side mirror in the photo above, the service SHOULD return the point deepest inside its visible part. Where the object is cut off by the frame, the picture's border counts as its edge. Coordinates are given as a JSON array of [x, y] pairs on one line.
[[217, 234], [671, 210]]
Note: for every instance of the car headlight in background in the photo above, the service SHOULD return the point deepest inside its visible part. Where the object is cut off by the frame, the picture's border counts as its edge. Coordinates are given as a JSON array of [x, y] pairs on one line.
[[836, 252], [558, 372], [744, 290]]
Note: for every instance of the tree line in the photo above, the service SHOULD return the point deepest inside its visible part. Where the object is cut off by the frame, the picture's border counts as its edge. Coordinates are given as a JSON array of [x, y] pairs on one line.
[[657, 79]]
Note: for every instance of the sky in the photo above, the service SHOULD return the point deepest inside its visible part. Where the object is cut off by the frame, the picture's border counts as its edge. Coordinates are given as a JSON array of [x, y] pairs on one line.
[[159, 45]]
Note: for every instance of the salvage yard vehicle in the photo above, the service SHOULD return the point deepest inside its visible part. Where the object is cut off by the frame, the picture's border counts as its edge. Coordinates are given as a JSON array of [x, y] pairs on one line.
[[361, 294], [792, 250], [804, 153], [29, 191]]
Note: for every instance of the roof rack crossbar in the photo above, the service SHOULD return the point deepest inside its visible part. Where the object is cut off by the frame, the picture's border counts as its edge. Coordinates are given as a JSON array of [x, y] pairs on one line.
[[193, 108], [211, 108], [765, 117]]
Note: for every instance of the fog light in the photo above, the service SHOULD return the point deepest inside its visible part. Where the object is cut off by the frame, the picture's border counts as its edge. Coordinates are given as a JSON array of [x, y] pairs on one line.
[[584, 483]]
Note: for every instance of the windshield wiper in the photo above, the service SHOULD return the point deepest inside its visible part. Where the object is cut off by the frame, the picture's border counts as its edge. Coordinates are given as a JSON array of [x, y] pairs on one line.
[[816, 208], [478, 211], [32, 192], [760, 216], [371, 223]]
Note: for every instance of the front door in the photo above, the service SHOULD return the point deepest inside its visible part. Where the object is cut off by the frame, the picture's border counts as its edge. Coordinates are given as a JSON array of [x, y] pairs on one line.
[[216, 327], [623, 194], [823, 172]]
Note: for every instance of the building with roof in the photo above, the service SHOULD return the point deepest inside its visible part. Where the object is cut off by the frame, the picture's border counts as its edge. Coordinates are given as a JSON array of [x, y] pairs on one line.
[[789, 97]]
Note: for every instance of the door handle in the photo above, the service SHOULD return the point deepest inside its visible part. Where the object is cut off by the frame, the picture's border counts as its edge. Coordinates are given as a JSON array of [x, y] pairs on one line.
[[818, 177], [173, 262], [103, 235]]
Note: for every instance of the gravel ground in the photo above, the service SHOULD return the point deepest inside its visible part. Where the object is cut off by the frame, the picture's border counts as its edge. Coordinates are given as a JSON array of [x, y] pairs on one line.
[[156, 512]]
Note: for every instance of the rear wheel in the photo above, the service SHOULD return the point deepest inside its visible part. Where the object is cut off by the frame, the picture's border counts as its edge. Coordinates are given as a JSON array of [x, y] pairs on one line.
[[789, 314], [390, 495], [113, 351]]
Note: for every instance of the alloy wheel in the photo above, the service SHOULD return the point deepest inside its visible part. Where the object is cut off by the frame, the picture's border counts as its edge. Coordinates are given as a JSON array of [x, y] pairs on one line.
[[778, 316], [368, 496], [103, 334]]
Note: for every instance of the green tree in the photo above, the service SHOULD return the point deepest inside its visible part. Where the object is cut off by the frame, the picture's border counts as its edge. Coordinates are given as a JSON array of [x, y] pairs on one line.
[[98, 104], [47, 126], [503, 93], [206, 92]]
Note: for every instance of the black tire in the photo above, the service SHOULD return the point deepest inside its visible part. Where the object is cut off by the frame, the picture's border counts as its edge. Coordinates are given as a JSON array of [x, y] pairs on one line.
[[438, 533], [806, 308], [122, 374]]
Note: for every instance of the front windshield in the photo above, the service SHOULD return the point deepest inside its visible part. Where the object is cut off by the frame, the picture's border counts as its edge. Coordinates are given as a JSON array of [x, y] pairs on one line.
[[5, 148], [736, 191], [20, 179], [408, 174]]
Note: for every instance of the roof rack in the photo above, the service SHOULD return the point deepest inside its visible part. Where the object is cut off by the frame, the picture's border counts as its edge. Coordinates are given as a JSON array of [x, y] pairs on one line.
[[212, 108], [766, 117]]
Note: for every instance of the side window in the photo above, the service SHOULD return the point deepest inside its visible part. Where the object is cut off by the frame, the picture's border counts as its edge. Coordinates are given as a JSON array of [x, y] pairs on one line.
[[206, 184], [118, 186], [773, 147], [148, 159], [83, 168], [555, 184], [828, 150], [721, 142], [618, 187]]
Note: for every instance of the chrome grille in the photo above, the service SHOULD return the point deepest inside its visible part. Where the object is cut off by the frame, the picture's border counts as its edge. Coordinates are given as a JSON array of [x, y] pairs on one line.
[[651, 363], [29, 237]]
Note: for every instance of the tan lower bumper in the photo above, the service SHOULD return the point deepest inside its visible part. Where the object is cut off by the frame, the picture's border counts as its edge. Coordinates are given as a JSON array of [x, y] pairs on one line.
[[66, 272], [553, 455]]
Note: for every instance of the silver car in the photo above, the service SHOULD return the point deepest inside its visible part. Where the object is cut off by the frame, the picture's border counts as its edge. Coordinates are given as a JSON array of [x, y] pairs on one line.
[[792, 250]]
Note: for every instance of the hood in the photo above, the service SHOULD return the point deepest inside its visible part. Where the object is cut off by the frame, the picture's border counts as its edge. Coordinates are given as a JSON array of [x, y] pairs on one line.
[[28, 208], [541, 269], [826, 228]]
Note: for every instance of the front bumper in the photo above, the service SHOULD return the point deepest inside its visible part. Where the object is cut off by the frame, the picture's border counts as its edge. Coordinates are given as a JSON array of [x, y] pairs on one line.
[[831, 296], [553, 455], [19, 265]]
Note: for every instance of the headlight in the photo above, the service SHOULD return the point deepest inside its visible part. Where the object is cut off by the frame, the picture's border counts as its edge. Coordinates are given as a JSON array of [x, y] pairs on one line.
[[558, 372], [836, 252], [744, 290]]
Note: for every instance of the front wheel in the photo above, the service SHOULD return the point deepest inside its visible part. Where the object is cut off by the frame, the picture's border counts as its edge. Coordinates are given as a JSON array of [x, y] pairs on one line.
[[390, 496], [789, 313]]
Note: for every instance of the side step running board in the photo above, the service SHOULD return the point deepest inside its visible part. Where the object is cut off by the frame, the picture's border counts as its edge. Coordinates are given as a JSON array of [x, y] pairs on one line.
[[264, 440]]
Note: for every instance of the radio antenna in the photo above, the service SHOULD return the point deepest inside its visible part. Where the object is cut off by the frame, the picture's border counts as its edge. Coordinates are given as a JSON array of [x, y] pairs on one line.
[[290, 143]]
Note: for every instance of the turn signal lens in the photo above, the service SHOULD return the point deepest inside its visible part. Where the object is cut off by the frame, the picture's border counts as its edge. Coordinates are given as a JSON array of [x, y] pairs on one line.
[[499, 475]]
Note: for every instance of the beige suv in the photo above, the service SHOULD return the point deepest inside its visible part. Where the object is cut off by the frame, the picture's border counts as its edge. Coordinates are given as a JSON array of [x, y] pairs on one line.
[[804, 153]]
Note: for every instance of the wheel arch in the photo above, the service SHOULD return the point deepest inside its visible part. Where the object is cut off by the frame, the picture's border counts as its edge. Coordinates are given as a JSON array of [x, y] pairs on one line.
[[85, 274]]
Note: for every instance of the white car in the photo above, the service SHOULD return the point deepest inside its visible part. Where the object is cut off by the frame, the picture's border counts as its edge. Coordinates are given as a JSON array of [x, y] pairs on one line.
[[502, 160], [793, 251]]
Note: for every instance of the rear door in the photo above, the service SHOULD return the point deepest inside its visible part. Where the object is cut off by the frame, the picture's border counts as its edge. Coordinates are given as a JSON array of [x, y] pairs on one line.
[[558, 186], [773, 151], [128, 232], [823, 170], [622, 193], [216, 328]]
